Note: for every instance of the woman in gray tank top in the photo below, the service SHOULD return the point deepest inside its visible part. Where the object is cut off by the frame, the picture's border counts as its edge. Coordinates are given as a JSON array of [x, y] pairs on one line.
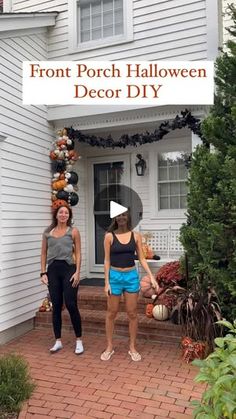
[[61, 253]]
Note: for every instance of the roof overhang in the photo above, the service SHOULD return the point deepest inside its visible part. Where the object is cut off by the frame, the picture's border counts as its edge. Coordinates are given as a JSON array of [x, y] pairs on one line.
[[21, 21], [94, 118]]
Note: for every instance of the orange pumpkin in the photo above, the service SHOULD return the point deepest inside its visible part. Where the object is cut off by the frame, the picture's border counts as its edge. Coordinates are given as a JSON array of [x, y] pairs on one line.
[[149, 310], [59, 184], [147, 289], [52, 155], [150, 253], [59, 203], [72, 155]]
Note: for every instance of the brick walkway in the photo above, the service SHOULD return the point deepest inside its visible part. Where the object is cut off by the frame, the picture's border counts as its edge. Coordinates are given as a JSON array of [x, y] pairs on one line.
[[70, 386]]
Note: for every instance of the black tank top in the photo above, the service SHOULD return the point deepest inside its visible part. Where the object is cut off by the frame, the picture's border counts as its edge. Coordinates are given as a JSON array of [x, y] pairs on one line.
[[122, 255]]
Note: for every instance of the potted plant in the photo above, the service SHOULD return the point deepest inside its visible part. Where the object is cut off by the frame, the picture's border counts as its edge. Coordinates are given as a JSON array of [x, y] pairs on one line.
[[197, 310]]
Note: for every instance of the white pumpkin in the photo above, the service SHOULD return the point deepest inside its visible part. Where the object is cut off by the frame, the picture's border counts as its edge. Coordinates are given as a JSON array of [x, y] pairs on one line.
[[160, 312]]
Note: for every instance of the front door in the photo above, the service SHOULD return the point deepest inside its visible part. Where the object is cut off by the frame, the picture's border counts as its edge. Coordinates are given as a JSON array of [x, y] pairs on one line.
[[104, 172]]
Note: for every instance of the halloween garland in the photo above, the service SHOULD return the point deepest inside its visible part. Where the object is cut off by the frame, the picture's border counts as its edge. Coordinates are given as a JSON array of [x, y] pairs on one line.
[[64, 179], [185, 120], [63, 155]]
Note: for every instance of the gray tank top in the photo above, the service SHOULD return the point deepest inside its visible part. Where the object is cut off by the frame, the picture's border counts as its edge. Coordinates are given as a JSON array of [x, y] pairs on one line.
[[60, 248]]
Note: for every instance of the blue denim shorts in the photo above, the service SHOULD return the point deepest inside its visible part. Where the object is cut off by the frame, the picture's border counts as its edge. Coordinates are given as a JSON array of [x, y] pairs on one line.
[[126, 281]]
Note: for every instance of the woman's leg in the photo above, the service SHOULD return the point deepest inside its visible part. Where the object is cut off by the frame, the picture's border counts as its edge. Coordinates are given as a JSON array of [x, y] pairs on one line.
[[56, 294], [131, 301], [70, 296], [112, 310]]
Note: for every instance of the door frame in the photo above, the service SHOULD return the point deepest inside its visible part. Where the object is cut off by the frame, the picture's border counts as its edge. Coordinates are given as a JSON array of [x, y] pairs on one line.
[[93, 268]]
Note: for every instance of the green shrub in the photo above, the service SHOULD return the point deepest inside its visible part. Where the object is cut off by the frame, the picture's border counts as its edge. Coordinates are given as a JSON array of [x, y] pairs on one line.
[[16, 385], [218, 371]]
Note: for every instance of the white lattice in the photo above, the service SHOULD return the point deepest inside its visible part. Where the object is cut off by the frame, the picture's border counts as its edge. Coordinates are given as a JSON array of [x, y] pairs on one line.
[[164, 242]]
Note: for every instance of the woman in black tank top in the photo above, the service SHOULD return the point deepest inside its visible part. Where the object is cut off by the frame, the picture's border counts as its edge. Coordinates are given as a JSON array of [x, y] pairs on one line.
[[121, 277]]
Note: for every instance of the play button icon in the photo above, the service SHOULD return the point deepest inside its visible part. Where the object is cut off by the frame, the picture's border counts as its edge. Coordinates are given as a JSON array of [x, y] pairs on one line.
[[116, 209], [114, 200]]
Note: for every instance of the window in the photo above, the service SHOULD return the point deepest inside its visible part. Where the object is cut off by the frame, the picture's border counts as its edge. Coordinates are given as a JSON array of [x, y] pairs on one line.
[[1, 6], [99, 19], [99, 23], [172, 176]]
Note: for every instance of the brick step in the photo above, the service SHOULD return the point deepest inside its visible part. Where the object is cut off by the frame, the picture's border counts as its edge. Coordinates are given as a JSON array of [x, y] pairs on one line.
[[93, 298], [94, 323]]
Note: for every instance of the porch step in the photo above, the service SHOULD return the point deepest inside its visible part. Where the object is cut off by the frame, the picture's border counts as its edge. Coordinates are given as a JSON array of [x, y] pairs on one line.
[[93, 298], [92, 303], [94, 324]]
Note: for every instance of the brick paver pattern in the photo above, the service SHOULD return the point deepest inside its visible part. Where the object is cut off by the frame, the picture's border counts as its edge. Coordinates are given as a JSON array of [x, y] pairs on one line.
[[72, 386]]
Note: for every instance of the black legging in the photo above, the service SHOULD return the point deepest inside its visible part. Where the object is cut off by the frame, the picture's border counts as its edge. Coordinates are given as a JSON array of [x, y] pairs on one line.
[[59, 285]]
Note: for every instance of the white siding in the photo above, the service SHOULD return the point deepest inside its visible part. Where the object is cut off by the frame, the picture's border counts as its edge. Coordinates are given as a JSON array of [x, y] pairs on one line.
[[25, 183], [163, 29]]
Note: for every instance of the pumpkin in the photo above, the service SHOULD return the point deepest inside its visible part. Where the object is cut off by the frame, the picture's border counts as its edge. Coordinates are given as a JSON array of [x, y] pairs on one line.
[[59, 203], [149, 309], [160, 312], [53, 155], [59, 184], [147, 289], [150, 253], [72, 155]]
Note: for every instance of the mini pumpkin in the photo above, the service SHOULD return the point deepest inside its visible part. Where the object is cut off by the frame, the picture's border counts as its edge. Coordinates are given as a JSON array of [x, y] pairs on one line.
[[53, 155], [149, 310]]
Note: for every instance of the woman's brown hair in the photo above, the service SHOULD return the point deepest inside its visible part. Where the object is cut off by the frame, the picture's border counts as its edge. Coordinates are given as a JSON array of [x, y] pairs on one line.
[[113, 226]]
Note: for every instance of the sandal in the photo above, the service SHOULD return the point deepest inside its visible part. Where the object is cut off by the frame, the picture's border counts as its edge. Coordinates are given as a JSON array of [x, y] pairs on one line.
[[106, 355], [135, 356]]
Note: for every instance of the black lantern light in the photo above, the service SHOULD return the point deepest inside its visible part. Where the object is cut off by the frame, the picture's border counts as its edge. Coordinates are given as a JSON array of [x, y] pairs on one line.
[[140, 165]]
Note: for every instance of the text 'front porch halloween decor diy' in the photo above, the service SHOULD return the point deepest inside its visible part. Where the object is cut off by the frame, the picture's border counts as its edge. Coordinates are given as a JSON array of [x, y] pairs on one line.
[[64, 179]]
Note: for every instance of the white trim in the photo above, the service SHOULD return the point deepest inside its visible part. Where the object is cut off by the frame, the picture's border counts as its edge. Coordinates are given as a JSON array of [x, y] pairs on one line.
[[195, 141], [106, 42], [213, 32], [14, 21], [7, 6], [91, 266]]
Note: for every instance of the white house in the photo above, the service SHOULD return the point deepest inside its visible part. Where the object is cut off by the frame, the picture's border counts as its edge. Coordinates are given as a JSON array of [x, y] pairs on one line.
[[85, 30]]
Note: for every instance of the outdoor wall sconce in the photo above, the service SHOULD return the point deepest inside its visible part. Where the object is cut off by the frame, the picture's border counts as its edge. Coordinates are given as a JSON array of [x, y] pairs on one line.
[[140, 165]]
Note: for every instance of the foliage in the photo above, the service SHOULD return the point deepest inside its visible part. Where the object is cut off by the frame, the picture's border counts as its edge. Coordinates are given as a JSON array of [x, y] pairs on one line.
[[15, 383], [169, 274], [218, 371], [197, 311], [209, 235]]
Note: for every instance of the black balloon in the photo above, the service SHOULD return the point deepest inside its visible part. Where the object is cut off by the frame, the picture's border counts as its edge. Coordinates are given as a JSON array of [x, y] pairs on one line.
[[63, 195], [73, 199], [73, 179], [58, 166], [70, 146]]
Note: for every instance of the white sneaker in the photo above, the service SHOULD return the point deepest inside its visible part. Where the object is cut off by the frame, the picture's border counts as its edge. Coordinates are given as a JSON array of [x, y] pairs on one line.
[[79, 349], [58, 345]]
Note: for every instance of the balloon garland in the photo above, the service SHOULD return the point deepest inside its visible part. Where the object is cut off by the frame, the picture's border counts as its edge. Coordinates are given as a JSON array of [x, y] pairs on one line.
[[63, 157]]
